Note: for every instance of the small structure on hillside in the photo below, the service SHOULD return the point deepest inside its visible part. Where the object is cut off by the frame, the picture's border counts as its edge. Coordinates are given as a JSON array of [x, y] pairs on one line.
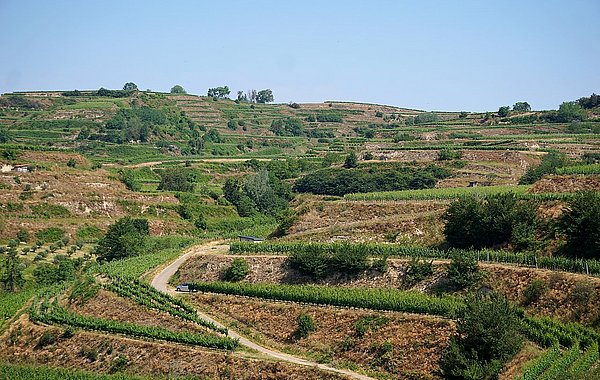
[[21, 168], [473, 184], [252, 239]]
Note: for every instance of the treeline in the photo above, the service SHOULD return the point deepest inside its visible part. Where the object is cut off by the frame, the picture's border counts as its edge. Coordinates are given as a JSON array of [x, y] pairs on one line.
[[364, 179], [503, 219]]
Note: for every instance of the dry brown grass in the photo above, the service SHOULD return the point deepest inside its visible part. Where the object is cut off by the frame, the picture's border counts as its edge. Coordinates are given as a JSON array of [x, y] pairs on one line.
[[417, 341], [18, 345]]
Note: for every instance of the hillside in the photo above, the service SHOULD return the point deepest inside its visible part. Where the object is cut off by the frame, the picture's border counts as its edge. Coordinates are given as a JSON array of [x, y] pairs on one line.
[[388, 231]]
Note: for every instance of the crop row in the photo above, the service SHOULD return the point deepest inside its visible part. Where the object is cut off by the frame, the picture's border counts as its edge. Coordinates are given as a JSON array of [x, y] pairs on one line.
[[48, 312], [376, 299], [28, 372], [147, 296], [590, 267], [580, 169], [10, 303], [436, 193]]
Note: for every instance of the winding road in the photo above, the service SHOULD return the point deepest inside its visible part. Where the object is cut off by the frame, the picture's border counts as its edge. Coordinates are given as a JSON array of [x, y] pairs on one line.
[[161, 280]]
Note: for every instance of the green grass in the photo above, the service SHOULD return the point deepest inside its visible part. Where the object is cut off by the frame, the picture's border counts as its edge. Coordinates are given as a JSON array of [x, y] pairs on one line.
[[10, 303], [31, 372], [436, 194]]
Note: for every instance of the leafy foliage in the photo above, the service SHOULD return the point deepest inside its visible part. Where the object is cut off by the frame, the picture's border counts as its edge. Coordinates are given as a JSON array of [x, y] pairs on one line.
[[580, 223], [463, 271], [219, 92], [487, 337], [124, 238], [177, 89], [290, 126], [175, 180], [306, 325], [477, 222], [238, 269], [261, 192], [333, 181], [549, 164]]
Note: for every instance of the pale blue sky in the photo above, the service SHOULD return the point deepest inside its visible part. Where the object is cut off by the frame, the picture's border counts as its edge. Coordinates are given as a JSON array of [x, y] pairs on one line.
[[434, 55]]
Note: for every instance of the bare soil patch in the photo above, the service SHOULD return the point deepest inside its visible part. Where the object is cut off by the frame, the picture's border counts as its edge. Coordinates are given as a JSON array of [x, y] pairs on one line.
[[403, 346], [98, 353]]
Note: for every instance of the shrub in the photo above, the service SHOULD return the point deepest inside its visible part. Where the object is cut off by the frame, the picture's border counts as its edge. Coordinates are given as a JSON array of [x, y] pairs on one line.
[[580, 224], [238, 269], [71, 163], [463, 271], [306, 325], [487, 336], [48, 338], [23, 236], [49, 235], [124, 238], [534, 290], [175, 180], [448, 154], [368, 323], [418, 270], [548, 165]]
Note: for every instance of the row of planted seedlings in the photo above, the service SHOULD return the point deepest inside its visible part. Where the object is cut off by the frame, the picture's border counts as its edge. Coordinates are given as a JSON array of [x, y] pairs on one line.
[[47, 309], [579, 343], [580, 348], [590, 267], [145, 295]]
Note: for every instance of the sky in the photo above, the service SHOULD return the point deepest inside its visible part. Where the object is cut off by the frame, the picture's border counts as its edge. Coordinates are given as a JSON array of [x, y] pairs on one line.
[[471, 55]]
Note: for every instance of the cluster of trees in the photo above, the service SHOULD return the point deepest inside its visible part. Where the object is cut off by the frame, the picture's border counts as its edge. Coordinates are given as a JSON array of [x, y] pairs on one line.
[[177, 89], [504, 111], [126, 237], [175, 180], [19, 101], [253, 96], [504, 219], [336, 181], [480, 222], [589, 102], [290, 126], [219, 92], [262, 193]]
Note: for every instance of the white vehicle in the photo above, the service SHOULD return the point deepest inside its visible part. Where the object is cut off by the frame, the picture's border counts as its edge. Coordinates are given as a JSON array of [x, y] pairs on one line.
[[183, 287]]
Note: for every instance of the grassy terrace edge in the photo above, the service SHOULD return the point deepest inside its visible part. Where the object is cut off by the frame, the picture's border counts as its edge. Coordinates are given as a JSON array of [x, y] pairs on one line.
[[589, 267]]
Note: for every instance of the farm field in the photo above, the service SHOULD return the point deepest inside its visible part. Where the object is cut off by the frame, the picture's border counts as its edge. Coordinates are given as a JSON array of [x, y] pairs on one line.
[[386, 237]]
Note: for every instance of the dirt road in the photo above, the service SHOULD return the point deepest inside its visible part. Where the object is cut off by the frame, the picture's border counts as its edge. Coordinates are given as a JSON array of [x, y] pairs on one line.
[[161, 280]]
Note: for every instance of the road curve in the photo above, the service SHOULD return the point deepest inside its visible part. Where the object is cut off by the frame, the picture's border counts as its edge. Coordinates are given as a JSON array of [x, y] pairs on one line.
[[161, 280]]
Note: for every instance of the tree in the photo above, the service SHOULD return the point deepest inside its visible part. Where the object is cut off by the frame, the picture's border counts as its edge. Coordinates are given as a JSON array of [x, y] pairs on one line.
[[503, 111], [549, 164], [177, 89], [12, 271], [580, 224], [570, 111], [589, 102], [130, 86], [521, 107], [351, 160], [219, 92], [175, 180], [241, 97], [264, 96], [4, 135], [238, 269], [290, 126], [487, 336], [125, 238]]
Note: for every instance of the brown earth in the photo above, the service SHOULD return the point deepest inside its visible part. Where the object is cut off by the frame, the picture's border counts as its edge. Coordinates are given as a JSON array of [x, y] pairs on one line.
[[108, 305], [566, 183], [415, 222], [568, 296], [417, 341], [98, 352]]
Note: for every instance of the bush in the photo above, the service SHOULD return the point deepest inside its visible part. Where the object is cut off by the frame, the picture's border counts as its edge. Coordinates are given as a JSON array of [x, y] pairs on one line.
[[580, 224], [49, 235], [238, 269], [175, 180], [418, 270], [71, 163], [124, 238], [23, 236], [48, 338], [487, 336], [449, 154], [463, 271], [306, 325], [549, 164], [534, 290]]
